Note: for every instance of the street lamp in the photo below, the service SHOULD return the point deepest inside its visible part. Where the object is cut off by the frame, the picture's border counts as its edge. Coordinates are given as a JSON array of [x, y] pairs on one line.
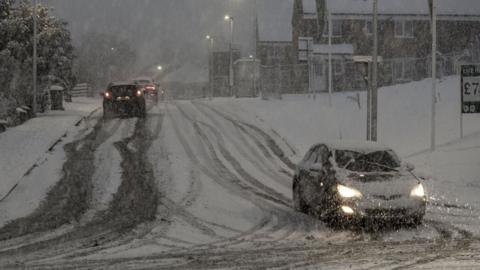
[[374, 94], [159, 68], [210, 62], [230, 20]]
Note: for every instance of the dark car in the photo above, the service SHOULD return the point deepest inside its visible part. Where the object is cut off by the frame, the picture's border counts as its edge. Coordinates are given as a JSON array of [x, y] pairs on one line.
[[348, 183], [124, 99]]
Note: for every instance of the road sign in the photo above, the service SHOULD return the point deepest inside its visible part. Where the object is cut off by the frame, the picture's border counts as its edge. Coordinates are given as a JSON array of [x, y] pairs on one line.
[[470, 79]]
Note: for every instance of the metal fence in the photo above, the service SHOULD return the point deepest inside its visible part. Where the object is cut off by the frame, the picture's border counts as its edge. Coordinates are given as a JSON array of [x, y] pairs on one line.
[[81, 90], [349, 76]]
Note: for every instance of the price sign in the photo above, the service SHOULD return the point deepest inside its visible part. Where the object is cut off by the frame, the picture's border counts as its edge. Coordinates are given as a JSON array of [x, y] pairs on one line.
[[470, 79]]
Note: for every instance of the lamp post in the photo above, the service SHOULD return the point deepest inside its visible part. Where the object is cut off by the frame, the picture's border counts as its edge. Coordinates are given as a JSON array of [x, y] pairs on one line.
[[255, 55], [374, 96], [34, 105], [230, 20], [210, 63]]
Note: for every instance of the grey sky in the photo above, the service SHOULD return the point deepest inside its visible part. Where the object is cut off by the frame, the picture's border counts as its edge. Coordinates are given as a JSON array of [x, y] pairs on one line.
[[152, 25]]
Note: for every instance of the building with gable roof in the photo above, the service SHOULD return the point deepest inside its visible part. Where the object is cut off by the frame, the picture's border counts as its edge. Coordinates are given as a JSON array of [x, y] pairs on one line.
[[404, 38]]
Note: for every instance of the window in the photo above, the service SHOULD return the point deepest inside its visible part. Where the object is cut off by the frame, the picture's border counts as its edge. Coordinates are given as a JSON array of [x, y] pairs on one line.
[[276, 52], [304, 47], [337, 26], [403, 69], [318, 68], [338, 68], [408, 29], [403, 29], [368, 29]]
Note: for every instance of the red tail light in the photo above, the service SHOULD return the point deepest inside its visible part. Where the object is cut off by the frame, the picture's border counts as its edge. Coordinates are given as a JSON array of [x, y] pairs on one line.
[[139, 93]]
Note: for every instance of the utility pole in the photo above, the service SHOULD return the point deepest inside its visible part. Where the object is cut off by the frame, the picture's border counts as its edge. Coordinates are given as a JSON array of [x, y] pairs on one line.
[[434, 73], [255, 31], [374, 99], [34, 105], [230, 20], [330, 75], [210, 63]]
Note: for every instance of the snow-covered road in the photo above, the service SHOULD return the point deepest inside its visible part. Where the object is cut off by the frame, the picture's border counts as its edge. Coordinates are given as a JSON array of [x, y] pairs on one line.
[[201, 185]]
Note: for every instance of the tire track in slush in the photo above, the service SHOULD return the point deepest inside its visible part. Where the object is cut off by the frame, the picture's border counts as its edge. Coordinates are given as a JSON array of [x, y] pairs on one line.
[[41, 241], [267, 192], [136, 200], [69, 198], [169, 208], [131, 206], [283, 216], [219, 174], [274, 147], [255, 158]]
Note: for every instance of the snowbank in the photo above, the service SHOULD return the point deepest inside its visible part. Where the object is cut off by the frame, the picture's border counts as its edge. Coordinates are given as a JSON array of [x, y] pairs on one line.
[[23, 146]]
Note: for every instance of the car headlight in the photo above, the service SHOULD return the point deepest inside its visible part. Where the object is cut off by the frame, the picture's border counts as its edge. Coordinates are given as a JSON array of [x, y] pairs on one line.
[[418, 191], [347, 192]]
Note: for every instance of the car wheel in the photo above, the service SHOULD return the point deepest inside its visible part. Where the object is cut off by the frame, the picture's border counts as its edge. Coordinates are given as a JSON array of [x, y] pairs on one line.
[[298, 202], [142, 112]]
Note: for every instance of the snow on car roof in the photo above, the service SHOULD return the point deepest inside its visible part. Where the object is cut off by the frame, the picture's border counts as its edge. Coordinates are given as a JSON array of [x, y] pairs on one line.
[[359, 146]]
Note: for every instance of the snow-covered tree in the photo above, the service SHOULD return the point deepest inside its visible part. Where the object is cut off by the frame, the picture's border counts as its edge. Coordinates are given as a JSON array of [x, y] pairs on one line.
[[55, 50]]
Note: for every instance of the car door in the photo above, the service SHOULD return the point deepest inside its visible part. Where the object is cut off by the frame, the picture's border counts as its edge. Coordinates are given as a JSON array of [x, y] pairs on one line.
[[314, 174]]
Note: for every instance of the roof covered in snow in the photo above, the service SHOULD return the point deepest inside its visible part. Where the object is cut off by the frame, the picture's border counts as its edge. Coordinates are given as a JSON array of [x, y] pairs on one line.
[[309, 7], [384, 6], [275, 20], [334, 49], [404, 7], [187, 74], [459, 7]]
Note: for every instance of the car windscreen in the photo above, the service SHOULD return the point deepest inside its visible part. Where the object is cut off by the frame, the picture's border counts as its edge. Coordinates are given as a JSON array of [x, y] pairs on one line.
[[381, 161], [123, 90]]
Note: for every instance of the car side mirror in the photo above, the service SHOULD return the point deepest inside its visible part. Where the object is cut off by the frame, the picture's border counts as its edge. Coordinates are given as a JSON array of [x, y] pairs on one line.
[[102, 94], [409, 166]]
